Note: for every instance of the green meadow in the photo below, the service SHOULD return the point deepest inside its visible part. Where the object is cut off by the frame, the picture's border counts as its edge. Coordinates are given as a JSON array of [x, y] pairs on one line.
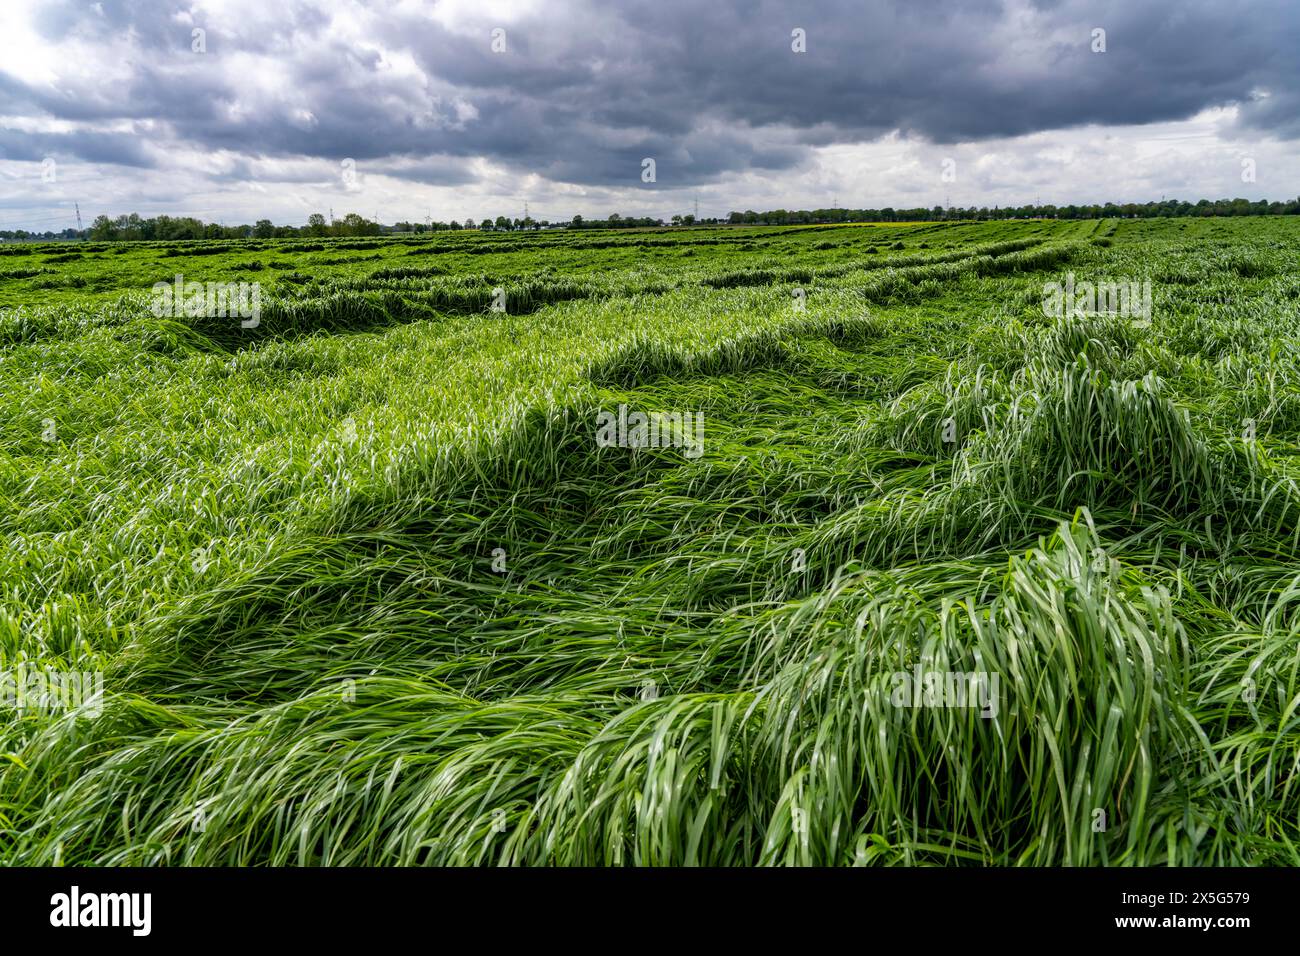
[[937, 577]]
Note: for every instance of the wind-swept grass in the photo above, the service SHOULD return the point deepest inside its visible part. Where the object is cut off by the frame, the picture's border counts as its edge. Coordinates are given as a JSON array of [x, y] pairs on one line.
[[365, 589]]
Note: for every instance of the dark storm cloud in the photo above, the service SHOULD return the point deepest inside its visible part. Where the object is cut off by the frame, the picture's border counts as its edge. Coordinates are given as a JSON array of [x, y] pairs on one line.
[[584, 92], [120, 149], [432, 171]]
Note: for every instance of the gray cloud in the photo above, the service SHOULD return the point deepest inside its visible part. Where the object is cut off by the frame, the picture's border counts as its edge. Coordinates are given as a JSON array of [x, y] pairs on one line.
[[585, 91], [119, 149]]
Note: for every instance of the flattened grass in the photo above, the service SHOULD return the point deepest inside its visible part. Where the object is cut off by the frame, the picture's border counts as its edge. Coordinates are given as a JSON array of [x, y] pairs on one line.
[[285, 554]]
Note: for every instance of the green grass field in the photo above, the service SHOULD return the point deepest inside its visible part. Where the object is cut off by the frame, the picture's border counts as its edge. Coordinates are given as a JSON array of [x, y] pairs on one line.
[[365, 588]]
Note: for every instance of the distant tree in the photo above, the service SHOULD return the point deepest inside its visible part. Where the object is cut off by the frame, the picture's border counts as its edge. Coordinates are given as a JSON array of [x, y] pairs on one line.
[[128, 227], [102, 228], [354, 224], [265, 229]]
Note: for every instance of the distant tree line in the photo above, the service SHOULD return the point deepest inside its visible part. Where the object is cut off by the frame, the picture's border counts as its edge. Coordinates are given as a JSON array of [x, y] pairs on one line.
[[1171, 207], [132, 227], [506, 224], [615, 221], [432, 226]]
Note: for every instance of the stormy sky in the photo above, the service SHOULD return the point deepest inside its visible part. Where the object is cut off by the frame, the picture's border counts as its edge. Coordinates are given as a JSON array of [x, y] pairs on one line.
[[242, 109]]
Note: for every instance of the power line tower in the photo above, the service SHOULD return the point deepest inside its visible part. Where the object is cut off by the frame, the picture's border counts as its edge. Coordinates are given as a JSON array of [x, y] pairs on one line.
[[77, 206], [697, 208]]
